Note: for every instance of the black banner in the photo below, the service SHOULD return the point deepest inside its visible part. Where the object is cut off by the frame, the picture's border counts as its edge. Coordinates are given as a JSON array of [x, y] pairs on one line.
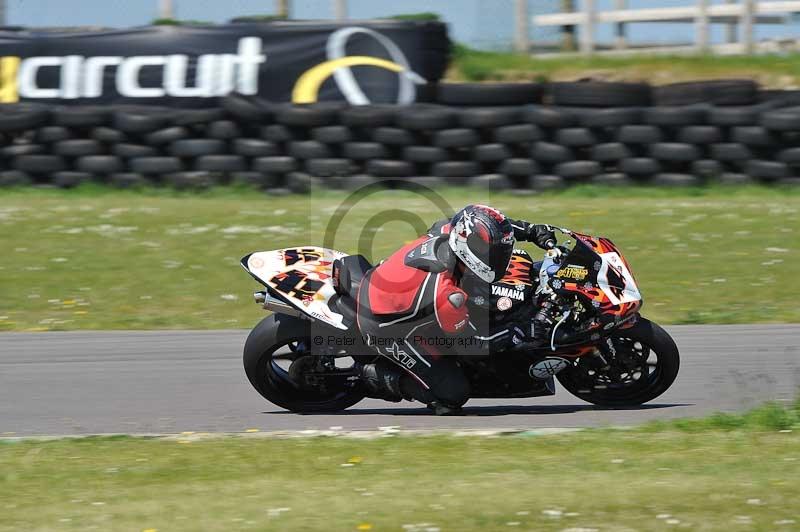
[[362, 62]]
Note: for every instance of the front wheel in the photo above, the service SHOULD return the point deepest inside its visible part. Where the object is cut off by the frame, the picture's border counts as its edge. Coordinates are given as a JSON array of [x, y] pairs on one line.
[[640, 364], [280, 365]]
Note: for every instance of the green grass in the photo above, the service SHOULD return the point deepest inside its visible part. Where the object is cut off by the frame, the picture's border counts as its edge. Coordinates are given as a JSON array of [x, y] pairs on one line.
[[694, 475], [772, 71], [96, 258]]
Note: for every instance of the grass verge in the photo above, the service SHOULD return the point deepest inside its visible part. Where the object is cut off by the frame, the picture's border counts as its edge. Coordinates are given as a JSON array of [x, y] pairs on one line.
[[96, 258], [699, 475], [771, 71]]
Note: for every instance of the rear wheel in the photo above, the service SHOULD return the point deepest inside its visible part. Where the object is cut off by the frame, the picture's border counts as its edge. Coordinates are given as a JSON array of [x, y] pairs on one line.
[[641, 365], [280, 365]]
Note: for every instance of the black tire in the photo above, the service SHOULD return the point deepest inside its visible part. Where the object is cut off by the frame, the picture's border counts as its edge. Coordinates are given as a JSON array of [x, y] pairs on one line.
[[730, 152], [674, 152], [424, 154], [165, 136], [190, 180], [675, 116], [81, 116], [488, 153], [223, 130], [332, 134], [254, 148], [487, 117], [277, 133], [390, 168], [256, 179], [610, 152], [307, 115], [127, 180], [363, 151], [39, 164], [640, 166], [394, 136], [14, 178], [140, 119], [718, 92], [549, 116], [575, 137], [518, 134], [488, 93], [700, 135], [78, 147], [197, 147], [108, 135], [547, 182], [100, 164], [747, 115], [614, 179], [456, 138], [299, 183], [329, 167], [15, 150], [639, 134], [130, 151], [49, 134], [456, 169], [600, 94], [491, 182], [193, 117], [732, 178], [309, 149], [426, 117], [68, 179], [156, 165], [355, 182], [17, 117], [245, 108], [547, 152], [767, 170], [519, 167], [675, 180], [611, 117], [646, 333], [790, 156], [220, 163], [707, 168], [577, 169], [275, 165], [753, 136], [368, 115], [783, 119], [779, 97]]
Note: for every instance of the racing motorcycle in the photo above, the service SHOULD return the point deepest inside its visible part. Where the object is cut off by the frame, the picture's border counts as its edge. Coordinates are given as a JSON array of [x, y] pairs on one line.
[[306, 356]]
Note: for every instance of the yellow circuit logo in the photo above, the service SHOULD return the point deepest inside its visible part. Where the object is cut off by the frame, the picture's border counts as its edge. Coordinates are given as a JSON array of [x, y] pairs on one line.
[[577, 273]]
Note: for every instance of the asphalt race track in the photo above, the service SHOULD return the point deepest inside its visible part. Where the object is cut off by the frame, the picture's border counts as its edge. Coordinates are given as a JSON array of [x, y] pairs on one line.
[[170, 381]]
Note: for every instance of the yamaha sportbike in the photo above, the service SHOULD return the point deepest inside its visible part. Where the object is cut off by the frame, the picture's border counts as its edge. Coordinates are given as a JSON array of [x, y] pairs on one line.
[[306, 356]]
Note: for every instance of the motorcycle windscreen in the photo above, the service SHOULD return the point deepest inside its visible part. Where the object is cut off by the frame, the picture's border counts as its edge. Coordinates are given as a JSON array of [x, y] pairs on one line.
[[610, 270], [301, 276]]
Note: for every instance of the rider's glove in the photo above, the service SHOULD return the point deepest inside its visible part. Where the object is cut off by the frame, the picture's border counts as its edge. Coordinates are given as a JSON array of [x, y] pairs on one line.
[[541, 234]]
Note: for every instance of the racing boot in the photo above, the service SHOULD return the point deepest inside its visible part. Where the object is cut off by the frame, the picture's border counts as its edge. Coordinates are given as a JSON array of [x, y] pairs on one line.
[[382, 381]]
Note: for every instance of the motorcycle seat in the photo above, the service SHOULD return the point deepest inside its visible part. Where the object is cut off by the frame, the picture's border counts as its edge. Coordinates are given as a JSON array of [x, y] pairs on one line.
[[348, 272]]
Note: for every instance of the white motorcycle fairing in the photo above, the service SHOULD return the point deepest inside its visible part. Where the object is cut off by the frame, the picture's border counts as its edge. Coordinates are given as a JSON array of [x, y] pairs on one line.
[[300, 276]]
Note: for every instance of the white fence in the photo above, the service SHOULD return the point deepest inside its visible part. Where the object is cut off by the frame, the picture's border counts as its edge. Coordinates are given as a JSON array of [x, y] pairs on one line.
[[745, 13]]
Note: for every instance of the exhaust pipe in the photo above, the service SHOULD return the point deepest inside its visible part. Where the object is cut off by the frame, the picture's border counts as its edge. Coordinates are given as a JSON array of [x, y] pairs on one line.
[[268, 302]]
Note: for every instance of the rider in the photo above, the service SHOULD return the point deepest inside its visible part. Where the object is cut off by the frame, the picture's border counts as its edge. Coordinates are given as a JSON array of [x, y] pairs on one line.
[[408, 301]]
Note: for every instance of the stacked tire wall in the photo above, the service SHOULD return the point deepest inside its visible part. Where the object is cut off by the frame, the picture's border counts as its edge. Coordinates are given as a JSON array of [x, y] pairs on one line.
[[499, 136]]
